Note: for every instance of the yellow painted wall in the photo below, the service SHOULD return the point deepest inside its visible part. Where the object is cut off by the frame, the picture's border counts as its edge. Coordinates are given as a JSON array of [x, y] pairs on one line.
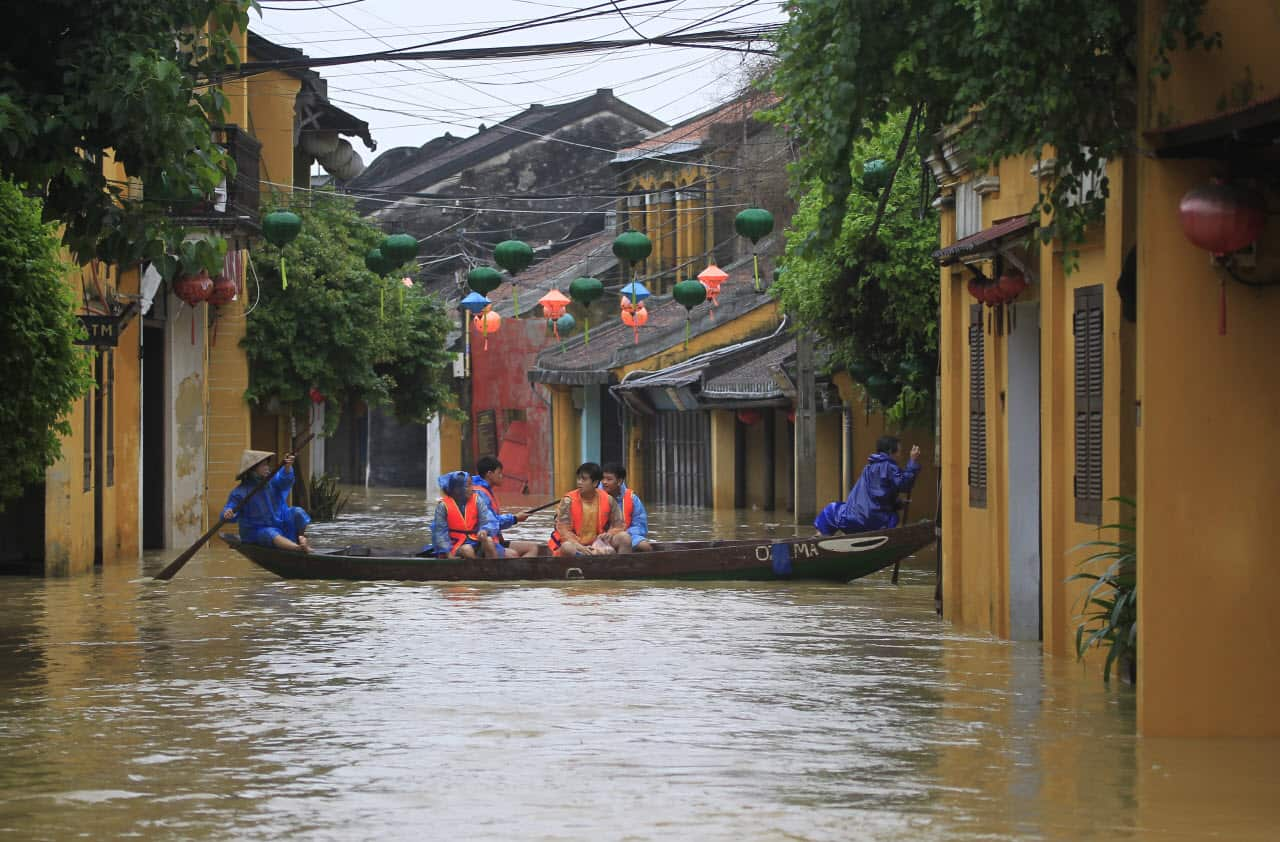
[[828, 477], [126, 543], [270, 120], [757, 470], [1207, 476], [784, 456], [227, 427], [566, 437]]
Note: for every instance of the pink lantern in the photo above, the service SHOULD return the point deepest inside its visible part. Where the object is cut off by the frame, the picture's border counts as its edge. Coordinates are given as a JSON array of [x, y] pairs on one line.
[[553, 304], [486, 323], [712, 277]]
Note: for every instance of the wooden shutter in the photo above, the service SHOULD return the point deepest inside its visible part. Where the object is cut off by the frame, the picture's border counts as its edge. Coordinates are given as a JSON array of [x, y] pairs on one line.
[[977, 410], [1086, 327]]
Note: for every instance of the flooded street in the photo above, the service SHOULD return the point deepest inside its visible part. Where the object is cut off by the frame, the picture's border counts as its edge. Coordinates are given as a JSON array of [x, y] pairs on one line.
[[228, 704]]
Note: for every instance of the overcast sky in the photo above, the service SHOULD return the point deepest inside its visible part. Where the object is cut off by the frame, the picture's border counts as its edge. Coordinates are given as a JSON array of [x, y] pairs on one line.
[[408, 103]]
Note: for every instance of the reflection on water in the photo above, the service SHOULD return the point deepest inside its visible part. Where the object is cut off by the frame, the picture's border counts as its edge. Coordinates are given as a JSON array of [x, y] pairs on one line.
[[230, 704]]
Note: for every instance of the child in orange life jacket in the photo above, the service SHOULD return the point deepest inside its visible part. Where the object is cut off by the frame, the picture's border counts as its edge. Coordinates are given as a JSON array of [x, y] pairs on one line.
[[588, 521], [488, 477], [634, 517], [463, 522]]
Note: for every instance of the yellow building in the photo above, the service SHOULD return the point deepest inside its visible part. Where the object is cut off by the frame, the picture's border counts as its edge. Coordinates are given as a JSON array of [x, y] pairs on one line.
[[154, 447], [1124, 378]]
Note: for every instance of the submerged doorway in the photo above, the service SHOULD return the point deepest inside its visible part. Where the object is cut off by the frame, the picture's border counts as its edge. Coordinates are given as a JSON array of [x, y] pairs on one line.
[[153, 441], [1024, 474]]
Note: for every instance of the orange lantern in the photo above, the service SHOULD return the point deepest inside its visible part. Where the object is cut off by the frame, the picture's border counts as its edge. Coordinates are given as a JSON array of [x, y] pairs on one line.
[[634, 317], [553, 304], [486, 323], [712, 277]]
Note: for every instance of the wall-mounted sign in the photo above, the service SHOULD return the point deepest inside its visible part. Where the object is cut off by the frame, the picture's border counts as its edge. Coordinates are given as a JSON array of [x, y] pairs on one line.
[[103, 331]]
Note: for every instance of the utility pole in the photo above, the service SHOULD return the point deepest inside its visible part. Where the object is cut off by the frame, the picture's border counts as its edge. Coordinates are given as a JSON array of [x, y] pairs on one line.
[[806, 481]]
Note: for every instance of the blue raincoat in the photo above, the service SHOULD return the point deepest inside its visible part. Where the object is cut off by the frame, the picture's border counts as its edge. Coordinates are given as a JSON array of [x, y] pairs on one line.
[[268, 514], [872, 503]]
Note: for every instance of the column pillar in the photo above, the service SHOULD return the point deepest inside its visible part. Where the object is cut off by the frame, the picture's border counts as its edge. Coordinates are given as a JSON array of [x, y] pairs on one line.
[[723, 473]]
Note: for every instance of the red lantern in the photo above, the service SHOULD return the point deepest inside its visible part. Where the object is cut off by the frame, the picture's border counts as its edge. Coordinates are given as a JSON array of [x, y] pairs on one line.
[[1222, 218], [1011, 285], [317, 396], [223, 292], [749, 416], [193, 288], [791, 416]]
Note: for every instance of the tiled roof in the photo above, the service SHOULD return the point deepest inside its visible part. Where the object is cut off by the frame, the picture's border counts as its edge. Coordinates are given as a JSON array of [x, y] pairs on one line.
[[692, 133], [613, 345], [753, 379], [975, 242]]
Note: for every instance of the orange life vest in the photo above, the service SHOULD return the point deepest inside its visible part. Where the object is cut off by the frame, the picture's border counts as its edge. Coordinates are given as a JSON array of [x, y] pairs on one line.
[[575, 515], [491, 499], [462, 526], [628, 507]]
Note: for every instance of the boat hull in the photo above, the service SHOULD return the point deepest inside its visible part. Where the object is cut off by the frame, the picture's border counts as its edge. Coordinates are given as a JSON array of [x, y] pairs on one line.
[[837, 559]]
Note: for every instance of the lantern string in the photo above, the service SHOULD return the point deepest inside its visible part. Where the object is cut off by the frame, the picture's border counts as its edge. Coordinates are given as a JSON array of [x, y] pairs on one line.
[[755, 259]]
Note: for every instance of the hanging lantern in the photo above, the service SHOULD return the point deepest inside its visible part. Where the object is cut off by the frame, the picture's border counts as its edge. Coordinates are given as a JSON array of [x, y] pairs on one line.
[[223, 291], [690, 294], [193, 289], [711, 278], [376, 263], [553, 307], [316, 395], [484, 279], [754, 224], [1011, 285], [474, 303], [635, 292], [875, 176], [584, 291], [749, 416], [398, 249], [880, 387], [1222, 218], [635, 317], [632, 247], [514, 256], [486, 323], [563, 326], [860, 370], [281, 228]]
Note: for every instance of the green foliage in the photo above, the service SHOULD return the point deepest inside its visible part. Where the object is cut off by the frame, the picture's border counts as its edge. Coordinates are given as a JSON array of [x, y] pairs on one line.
[[326, 498], [876, 308], [78, 77], [354, 335], [1110, 613], [44, 372], [1048, 77]]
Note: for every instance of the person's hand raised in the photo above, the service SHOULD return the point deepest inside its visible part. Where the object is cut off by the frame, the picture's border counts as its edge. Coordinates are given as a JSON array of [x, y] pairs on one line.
[[915, 452]]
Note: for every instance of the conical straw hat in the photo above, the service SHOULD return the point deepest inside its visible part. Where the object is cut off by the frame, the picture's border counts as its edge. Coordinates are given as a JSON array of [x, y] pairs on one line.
[[250, 458]]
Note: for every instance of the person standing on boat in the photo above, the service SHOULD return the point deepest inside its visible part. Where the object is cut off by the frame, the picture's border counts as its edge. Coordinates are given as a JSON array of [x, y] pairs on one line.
[[873, 501], [634, 517], [463, 522], [267, 519], [488, 475], [588, 522]]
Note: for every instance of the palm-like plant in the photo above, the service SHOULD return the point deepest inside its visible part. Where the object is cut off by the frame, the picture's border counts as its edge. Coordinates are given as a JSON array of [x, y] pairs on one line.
[[1110, 613]]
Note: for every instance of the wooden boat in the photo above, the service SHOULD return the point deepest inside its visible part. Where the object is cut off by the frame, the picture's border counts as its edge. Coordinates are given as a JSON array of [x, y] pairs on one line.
[[836, 559]]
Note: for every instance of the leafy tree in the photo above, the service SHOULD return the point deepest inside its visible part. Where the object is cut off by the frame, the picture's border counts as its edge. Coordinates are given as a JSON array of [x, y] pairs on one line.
[[45, 373], [339, 328], [78, 77], [1050, 77], [881, 322]]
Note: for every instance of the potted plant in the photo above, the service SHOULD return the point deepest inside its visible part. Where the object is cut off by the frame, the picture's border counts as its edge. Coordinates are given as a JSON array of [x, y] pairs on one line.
[[1109, 617]]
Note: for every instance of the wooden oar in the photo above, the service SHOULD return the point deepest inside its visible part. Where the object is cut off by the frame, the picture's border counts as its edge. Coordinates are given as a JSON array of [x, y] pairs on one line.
[[540, 508], [181, 561], [906, 508]]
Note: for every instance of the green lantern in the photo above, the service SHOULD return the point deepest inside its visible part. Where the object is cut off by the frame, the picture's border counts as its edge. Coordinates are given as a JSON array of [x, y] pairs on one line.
[[584, 291], [862, 370], [875, 176], [376, 263], [484, 279], [564, 325], [399, 249], [281, 228], [754, 224], [514, 256], [632, 247], [690, 294], [880, 387]]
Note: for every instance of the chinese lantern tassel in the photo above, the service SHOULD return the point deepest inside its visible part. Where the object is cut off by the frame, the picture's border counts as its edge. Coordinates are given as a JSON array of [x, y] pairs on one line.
[[755, 260], [284, 277], [586, 331], [635, 330], [686, 331], [515, 300], [1222, 308]]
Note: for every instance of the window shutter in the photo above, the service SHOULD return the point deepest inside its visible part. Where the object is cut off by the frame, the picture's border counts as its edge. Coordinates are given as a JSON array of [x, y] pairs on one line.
[[977, 410], [1086, 326]]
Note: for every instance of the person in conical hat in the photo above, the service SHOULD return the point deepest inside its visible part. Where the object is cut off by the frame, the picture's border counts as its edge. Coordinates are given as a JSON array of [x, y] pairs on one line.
[[267, 518]]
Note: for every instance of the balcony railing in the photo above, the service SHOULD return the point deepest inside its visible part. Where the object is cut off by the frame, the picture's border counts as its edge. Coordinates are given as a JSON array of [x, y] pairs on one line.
[[234, 207]]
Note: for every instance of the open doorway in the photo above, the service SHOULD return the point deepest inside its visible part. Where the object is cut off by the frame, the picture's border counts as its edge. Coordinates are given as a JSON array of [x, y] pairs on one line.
[[1024, 473], [153, 434]]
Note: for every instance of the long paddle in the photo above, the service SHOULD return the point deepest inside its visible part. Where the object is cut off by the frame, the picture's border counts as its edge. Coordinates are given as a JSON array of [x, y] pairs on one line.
[[181, 561], [906, 508], [540, 508]]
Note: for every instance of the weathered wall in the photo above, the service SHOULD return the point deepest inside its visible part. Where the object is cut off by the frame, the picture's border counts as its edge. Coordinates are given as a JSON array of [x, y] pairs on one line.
[[228, 413]]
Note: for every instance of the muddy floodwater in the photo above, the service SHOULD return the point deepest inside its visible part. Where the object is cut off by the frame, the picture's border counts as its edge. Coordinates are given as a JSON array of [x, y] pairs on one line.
[[228, 704]]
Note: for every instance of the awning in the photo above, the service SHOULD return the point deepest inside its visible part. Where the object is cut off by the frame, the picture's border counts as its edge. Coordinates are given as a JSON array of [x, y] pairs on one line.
[[987, 240], [1244, 131]]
